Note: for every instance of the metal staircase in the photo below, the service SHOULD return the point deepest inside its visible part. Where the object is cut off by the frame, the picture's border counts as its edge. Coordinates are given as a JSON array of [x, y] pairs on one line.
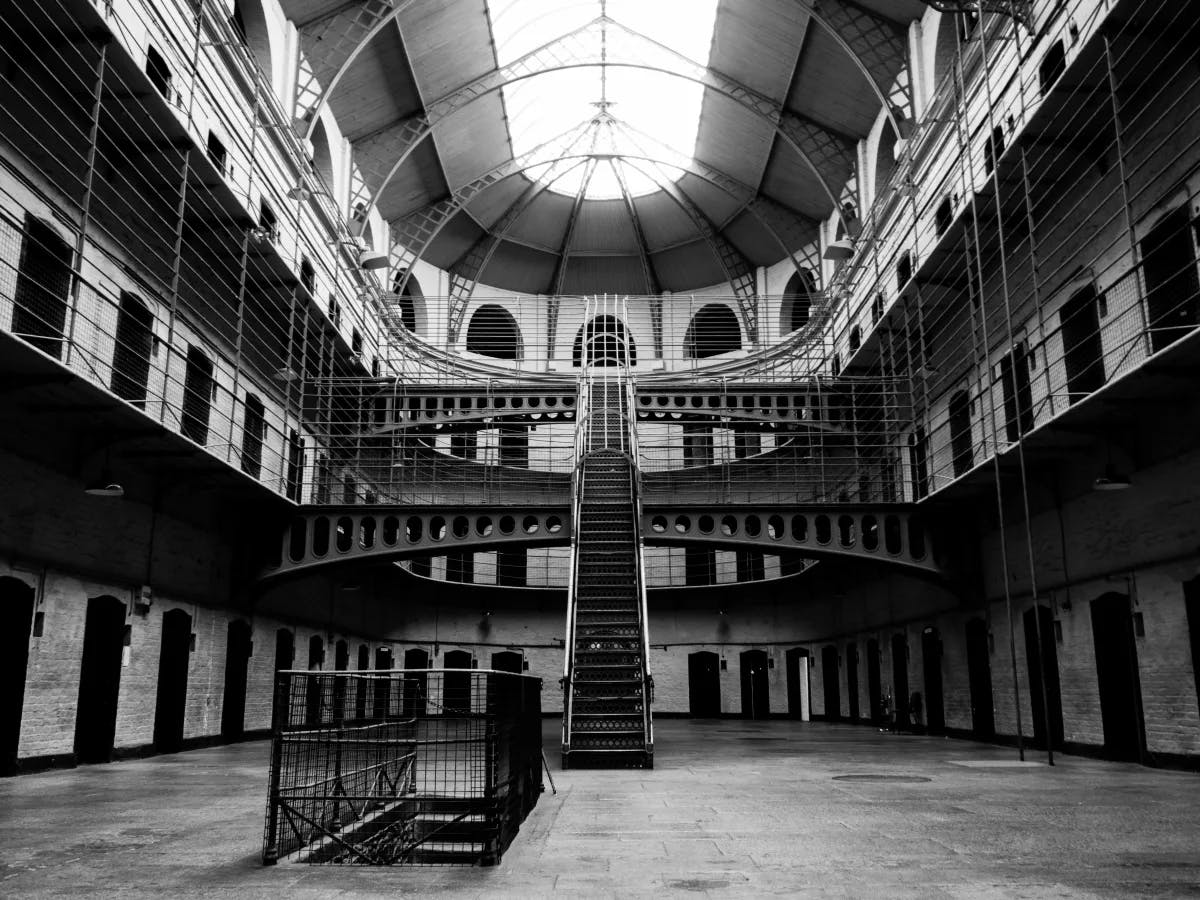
[[607, 684]]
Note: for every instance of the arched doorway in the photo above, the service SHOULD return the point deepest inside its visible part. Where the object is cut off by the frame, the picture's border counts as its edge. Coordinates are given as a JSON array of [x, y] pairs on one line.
[[383, 684], [508, 661], [831, 684], [852, 680], [979, 676], [43, 285], [315, 702], [1083, 349], [900, 679], [131, 356], [874, 682], [931, 659], [756, 696], [415, 682], [796, 310], [607, 343], [341, 662], [237, 662], [704, 684], [171, 702], [456, 686], [713, 330], [1117, 677], [799, 701], [99, 679], [16, 608], [1045, 661]]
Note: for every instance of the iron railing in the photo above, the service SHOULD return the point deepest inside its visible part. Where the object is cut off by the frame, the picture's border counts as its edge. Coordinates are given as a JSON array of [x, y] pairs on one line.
[[401, 767]]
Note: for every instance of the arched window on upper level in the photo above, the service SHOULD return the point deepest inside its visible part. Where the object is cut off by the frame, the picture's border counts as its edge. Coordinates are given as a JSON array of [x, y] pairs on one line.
[[885, 158], [607, 341], [43, 287], [410, 302], [713, 330], [494, 332], [322, 159], [250, 22], [797, 302]]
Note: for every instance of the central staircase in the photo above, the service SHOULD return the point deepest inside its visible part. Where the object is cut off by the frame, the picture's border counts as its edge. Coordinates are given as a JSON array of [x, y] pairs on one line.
[[607, 686]]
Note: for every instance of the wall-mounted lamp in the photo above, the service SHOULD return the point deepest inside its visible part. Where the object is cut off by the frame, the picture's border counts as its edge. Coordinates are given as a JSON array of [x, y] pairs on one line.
[[372, 259], [839, 250]]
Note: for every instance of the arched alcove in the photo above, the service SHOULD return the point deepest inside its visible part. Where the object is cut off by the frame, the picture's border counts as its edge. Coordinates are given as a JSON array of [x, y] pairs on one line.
[[608, 341], [885, 158], [410, 301], [494, 332], [713, 330], [249, 20], [796, 308], [322, 158]]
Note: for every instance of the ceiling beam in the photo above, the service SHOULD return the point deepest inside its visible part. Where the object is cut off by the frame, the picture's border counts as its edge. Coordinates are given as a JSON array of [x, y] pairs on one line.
[[652, 286]]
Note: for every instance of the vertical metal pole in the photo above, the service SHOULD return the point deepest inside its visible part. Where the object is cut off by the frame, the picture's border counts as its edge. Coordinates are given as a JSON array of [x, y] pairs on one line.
[[88, 190], [176, 265], [1033, 584], [238, 341]]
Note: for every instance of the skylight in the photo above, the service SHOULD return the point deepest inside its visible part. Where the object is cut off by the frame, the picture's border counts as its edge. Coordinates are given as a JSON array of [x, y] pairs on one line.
[[652, 113]]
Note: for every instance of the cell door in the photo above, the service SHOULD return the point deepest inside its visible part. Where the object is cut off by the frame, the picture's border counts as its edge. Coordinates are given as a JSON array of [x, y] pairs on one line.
[[756, 700], [43, 286], [1117, 677], [99, 680], [1083, 351], [704, 684], [237, 663], [171, 701], [16, 607], [131, 356], [831, 683], [979, 676]]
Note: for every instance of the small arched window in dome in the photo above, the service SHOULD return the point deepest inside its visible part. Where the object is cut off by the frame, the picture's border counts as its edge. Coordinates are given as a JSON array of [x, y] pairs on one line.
[[494, 332], [607, 343], [714, 330]]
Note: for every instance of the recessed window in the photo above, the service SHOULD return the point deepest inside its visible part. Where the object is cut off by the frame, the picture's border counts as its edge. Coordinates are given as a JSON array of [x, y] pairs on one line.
[[217, 154], [159, 74]]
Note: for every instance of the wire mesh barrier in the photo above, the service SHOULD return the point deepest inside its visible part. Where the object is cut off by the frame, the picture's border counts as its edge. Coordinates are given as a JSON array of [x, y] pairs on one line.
[[402, 767]]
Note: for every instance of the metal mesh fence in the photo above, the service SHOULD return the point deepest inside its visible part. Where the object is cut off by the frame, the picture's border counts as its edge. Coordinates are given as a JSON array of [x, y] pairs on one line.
[[401, 767]]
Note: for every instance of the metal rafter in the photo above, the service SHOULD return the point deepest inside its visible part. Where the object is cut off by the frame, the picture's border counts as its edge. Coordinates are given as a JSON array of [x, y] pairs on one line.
[[652, 286], [466, 271], [819, 149], [564, 252]]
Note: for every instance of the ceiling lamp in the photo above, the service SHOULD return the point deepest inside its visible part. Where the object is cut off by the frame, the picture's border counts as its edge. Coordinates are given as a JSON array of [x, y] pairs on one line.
[[1111, 480], [372, 259], [105, 485], [839, 250]]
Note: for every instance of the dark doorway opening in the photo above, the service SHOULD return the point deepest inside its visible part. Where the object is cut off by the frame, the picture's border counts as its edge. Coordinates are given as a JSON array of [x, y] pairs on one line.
[[831, 683], [960, 433], [197, 396], [43, 285], [456, 686], [900, 679], [704, 684], [237, 662], [1018, 392], [99, 680], [1117, 677], [874, 682], [16, 608], [508, 661], [131, 357], [415, 682], [979, 676], [931, 658], [382, 699], [852, 680], [1172, 286], [1047, 662], [315, 702], [1191, 595], [799, 701], [171, 703], [756, 697], [1083, 351], [341, 662], [362, 687]]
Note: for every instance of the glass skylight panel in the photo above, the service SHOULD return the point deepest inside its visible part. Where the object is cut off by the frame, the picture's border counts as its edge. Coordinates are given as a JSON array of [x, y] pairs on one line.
[[664, 108]]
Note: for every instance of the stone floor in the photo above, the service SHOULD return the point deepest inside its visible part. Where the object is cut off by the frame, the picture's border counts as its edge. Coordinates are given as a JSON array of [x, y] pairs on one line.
[[733, 809]]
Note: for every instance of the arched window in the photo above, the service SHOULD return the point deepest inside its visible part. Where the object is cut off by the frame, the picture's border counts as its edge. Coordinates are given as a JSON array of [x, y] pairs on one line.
[[43, 284], [494, 332], [410, 301], [714, 330], [797, 302], [322, 160], [607, 341], [250, 22], [885, 158], [254, 426]]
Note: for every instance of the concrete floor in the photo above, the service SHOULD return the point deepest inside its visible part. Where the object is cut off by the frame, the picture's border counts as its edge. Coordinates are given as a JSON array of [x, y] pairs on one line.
[[733, 809]]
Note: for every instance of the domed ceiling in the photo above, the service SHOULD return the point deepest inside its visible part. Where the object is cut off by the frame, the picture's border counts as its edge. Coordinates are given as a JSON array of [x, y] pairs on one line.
[[627, 146]]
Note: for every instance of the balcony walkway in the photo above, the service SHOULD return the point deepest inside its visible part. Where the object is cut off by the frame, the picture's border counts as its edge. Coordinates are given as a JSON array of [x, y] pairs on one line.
[[733, 808]]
